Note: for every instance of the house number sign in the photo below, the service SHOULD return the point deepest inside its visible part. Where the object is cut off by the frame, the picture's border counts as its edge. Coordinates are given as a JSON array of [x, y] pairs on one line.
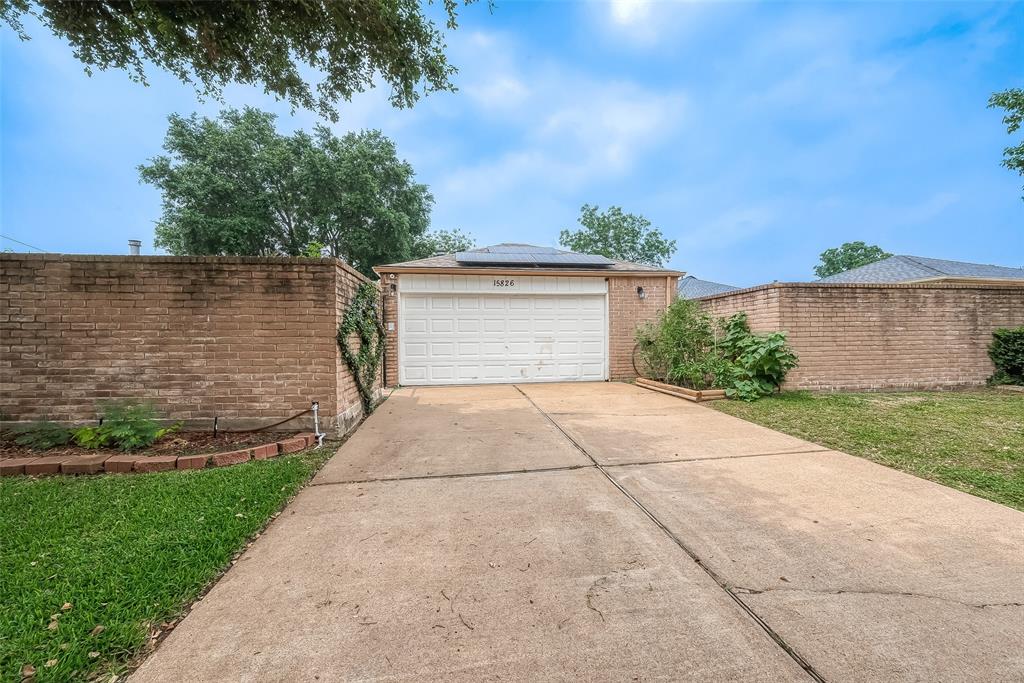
[[502, 283]]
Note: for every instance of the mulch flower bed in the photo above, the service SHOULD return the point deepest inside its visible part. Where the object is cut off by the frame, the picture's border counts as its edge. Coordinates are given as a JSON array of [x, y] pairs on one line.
[[181, 450]]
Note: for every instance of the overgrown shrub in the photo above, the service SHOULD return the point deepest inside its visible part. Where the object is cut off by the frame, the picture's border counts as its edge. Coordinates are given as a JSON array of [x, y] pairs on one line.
[[39, 436], [679, 347], [685, 347], [1007, 353], [126, 425], [757, 363]]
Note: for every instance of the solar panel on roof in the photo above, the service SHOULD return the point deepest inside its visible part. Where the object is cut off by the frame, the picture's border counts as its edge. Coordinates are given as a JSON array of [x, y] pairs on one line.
[[519, 249]]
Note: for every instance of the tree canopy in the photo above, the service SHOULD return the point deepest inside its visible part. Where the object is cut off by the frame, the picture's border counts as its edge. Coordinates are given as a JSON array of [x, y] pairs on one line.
[[235, 186], [849, 255], [442, 242], [618, 235], [273, 45], [1012, 102]]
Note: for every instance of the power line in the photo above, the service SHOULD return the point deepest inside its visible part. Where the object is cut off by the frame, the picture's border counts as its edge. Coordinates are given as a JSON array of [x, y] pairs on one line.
[[24, 244]]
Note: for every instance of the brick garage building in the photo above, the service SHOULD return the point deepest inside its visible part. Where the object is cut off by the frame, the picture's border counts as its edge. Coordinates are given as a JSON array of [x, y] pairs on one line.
[[881, 336], [247, 340], [517, 313]]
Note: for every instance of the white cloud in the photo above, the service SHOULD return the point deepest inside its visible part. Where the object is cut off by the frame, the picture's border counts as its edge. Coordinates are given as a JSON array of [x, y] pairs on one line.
[[563, 128], [630, 12], [500, 92]]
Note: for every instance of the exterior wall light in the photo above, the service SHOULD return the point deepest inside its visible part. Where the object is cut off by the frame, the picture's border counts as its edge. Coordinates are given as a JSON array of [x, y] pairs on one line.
[[641, 293]]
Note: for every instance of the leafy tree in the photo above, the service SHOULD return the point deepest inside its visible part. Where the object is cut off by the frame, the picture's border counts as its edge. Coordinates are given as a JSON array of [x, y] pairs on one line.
[[363, 202], [1012, 101], [618, 235], [268, 44], [850, 255], [443, 242], [230, 186], [236, 186]]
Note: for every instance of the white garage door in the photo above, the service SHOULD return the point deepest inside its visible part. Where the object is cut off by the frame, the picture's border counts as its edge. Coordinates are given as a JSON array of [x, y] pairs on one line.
[[468, 338]]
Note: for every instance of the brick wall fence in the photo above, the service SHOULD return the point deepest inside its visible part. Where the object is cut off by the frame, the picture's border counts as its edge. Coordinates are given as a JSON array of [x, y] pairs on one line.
[[248, 340], [915, 336]]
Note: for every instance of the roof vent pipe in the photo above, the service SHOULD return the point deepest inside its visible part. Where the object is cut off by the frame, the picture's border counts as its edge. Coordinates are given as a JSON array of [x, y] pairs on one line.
[[134, 246]]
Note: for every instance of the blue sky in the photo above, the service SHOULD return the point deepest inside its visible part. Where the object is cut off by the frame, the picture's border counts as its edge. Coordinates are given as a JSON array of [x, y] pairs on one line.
[[755, 134]]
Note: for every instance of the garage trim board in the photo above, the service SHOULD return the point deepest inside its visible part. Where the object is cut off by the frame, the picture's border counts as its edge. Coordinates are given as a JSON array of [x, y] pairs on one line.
[[480, 329]]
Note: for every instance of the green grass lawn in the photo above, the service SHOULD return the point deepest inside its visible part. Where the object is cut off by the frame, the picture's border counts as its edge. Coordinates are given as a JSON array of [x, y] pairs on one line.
[[89, 566], [972, 440]]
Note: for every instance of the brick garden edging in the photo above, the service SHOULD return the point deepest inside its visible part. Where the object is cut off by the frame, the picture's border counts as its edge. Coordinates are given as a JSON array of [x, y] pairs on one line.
[[98, 464]]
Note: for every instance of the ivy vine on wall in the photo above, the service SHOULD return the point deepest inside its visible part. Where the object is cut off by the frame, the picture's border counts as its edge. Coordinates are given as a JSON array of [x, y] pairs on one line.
[[362, 318]]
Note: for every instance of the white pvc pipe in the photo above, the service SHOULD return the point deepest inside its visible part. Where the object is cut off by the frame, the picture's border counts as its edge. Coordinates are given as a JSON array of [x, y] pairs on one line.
[[316, 425]]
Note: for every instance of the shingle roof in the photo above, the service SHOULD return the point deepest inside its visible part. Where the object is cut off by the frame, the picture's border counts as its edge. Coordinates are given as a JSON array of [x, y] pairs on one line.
[[908, 268], [694, 288], [449, 261]]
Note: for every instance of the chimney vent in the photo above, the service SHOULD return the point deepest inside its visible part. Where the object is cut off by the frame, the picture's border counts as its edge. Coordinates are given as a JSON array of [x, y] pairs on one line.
[[134, 246]]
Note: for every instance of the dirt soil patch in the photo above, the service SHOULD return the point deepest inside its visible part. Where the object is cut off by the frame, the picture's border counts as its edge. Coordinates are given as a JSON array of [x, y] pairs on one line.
[[179, 443]]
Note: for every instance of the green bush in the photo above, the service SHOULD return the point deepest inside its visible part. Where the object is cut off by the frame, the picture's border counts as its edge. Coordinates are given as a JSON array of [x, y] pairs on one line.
[[126, 425], [679, 347], [39, 436], [684, 347], [757, 363], [1007, 353]]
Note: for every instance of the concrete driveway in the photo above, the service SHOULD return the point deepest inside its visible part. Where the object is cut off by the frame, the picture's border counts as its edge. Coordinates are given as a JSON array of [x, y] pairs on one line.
[[604, 532]]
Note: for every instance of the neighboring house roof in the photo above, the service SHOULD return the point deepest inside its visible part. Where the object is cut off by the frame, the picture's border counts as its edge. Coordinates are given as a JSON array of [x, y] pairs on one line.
[[694, 288], [916, 268], [451, 262]]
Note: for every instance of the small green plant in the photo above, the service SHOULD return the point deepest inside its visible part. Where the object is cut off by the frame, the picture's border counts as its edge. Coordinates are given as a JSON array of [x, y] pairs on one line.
[[40, 436], [89, 437], [1007, 354], [756, 363], [126, 425]]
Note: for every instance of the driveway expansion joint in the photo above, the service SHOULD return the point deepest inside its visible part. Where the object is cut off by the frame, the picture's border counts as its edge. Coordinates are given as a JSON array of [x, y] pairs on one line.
[[457, 475], [722, 583], [742, 590], [715, 457]]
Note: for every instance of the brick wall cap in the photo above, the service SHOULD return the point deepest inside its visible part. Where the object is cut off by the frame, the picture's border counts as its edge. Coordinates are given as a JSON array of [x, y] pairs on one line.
[[861, 285], [156, 259]]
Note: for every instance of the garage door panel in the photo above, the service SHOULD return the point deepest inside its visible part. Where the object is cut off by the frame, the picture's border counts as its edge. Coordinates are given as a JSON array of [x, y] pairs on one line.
[[415, 373], [413, 326], [520, 349], [519, 325], [493, 349], [442, 350], [566, 348], [468, 325], [441, 303], [416, 350], [442, 325], [442, 373], [467, 339]]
